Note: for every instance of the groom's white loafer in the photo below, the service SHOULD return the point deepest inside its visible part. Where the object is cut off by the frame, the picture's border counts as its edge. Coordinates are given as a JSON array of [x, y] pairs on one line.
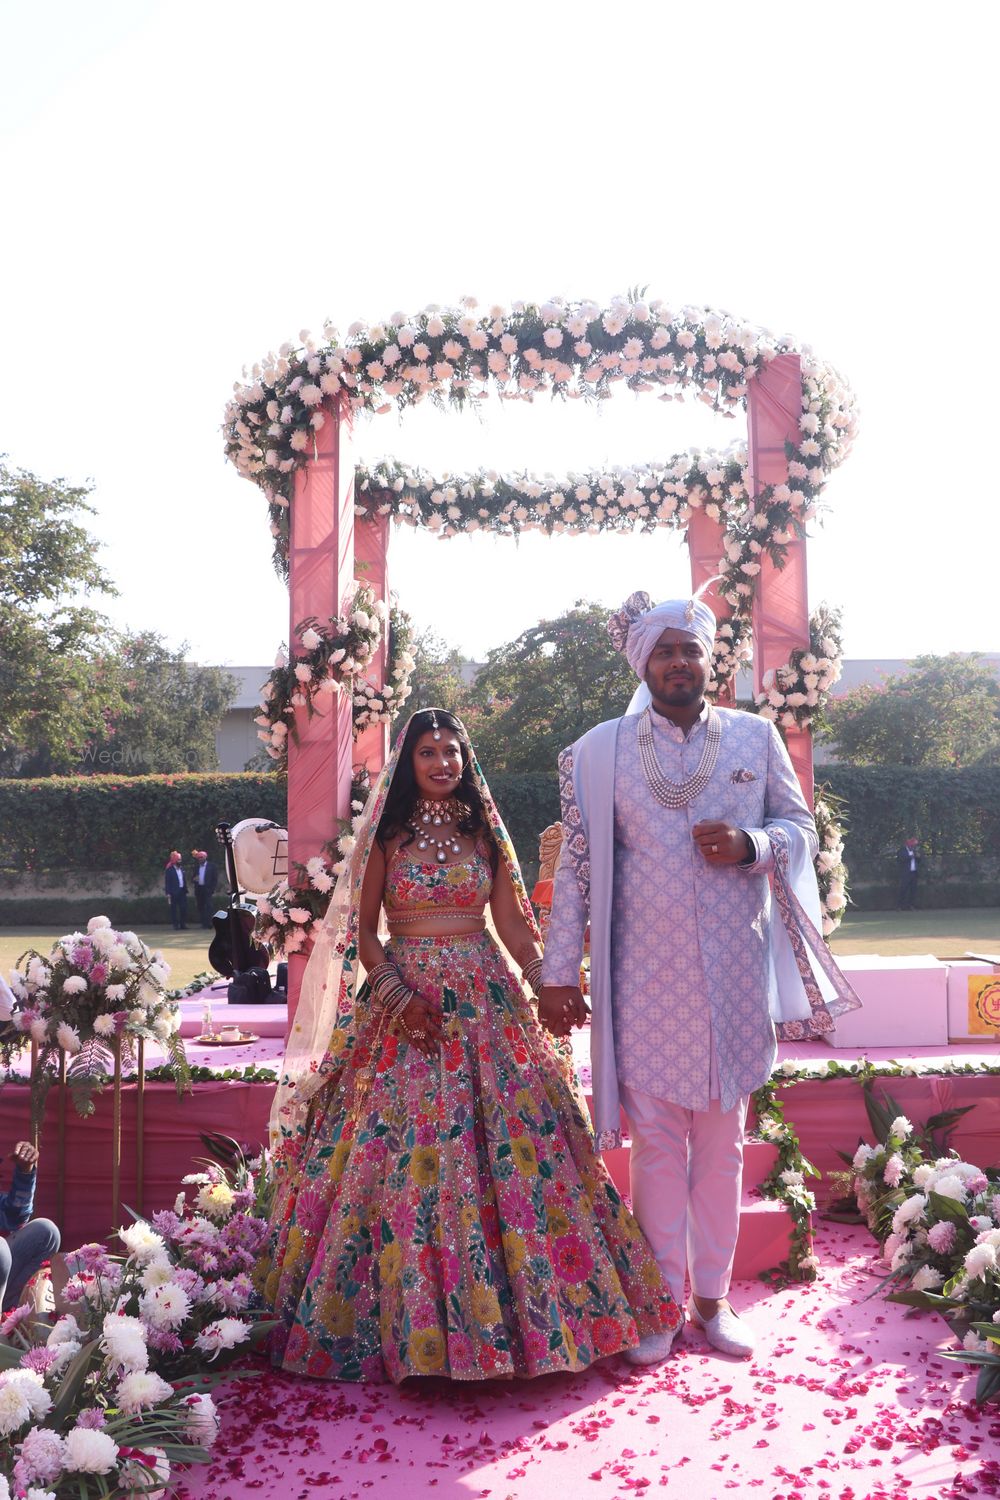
[[655, 1347], [725, 1332]]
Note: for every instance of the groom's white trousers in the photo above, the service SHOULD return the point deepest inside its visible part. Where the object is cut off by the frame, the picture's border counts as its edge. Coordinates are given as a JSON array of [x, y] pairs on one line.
[[686, 1173]]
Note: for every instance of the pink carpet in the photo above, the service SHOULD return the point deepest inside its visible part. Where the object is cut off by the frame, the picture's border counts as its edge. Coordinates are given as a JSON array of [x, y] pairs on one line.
[[847, 1399]]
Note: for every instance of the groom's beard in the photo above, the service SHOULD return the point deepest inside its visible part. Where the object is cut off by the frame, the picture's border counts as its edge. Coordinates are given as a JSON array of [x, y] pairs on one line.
[[679, 694]]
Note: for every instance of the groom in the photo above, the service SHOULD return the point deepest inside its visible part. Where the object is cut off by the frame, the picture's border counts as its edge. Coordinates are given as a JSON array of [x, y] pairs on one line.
[[665, 852]]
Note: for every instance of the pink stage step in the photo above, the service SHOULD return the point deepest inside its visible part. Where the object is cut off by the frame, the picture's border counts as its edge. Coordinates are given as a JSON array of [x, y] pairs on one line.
[[765, 1227]]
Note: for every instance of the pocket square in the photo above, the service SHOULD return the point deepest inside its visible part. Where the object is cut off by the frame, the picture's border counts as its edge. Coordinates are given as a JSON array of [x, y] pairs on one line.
[[743, 774]]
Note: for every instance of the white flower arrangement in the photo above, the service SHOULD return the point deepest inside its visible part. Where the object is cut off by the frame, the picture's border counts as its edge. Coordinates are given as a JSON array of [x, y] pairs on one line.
[[83, 1399], [831, 872], [786, 1183], [574, 350], [794, 695], [334, 659], [290, 915], [732, 650], [91, 992]]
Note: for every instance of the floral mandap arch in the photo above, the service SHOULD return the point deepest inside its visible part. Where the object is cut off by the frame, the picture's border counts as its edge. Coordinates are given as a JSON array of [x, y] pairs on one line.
[[289, 427]]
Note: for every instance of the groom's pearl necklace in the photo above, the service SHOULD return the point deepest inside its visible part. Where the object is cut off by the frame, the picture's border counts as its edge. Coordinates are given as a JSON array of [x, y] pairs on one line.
[[432, 822]]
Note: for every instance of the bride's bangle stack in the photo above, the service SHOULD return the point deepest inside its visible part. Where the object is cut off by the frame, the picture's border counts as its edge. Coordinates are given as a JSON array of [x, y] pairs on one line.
[[389, 991], [532, 974]]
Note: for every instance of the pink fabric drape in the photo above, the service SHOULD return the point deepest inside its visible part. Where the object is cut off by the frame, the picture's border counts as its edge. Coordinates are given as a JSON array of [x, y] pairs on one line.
[[371, 565], [321, 581], [781, 607], [706, 539]]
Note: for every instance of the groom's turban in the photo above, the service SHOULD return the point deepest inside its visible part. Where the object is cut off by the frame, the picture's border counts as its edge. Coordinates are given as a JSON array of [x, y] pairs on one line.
[[638, 625]]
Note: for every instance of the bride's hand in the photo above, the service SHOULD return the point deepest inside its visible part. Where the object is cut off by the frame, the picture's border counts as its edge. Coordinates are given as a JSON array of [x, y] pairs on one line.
[[420, 1026]]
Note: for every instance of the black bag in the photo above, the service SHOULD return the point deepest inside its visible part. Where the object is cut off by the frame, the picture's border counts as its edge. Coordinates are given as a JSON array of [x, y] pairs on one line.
[[252, 987]]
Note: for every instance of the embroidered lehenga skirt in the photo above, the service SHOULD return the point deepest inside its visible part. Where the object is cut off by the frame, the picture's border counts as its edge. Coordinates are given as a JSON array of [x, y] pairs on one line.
[[453, 1217]]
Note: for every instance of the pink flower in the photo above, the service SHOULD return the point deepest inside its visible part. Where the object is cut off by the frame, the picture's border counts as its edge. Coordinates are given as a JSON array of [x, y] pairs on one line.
[[571, 1258], [941, 1237], [99, 974]]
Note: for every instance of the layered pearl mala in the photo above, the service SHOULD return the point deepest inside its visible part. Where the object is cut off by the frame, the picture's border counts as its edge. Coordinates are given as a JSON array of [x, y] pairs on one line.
[[677, 794], [428, 817]]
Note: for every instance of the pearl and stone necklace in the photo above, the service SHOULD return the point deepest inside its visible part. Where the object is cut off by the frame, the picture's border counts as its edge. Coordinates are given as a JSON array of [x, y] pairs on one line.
[[428, 817], [677, 794]]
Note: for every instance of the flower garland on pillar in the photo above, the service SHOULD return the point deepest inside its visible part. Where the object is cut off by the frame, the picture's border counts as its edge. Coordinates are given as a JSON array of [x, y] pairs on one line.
[[332, 659]]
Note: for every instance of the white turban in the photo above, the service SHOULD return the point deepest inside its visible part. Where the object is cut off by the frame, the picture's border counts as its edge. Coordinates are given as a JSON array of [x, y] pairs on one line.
[[638, 625]]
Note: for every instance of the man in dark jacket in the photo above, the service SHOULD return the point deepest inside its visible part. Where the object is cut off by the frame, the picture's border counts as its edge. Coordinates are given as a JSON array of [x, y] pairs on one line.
[[175, 885], [206, 878], [31, 1241], [908, 860]]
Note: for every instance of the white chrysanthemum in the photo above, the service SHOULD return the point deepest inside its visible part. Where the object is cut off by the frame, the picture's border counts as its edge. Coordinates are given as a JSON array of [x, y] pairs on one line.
[[226, 1333], [156, 1272], [142, 1242], [922, 1174], [141, 1390], [14, 1409], [202, 1425], [861, 1156], [980, 1259], [124, 1339], [66, 1330], [96, 922], [950, 1186], [68, 1038], [927, 1279], [216, 1200], [32, 1386], [137, 1473], [165, 1306], [90, 1451], [119, 957], [74, 985], [105, 1025]]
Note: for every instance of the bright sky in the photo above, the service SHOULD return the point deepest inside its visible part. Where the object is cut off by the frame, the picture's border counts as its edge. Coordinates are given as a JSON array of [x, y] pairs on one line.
[[187, 184]]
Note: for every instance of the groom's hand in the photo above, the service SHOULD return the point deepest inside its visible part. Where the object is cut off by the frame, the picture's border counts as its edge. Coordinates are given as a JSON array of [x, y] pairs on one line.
[[561, 1007], [721, 843]]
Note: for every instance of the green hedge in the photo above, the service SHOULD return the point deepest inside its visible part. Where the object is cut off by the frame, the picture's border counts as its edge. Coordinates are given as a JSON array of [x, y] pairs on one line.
[[954, 813], [60, 825]]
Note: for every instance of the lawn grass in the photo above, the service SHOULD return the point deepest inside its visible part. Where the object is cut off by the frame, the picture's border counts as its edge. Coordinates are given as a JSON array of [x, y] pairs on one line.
[[945, 934], [185, 952]]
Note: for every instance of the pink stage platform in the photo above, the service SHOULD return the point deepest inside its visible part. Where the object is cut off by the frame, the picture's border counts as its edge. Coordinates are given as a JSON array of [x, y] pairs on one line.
[[846, 1399]]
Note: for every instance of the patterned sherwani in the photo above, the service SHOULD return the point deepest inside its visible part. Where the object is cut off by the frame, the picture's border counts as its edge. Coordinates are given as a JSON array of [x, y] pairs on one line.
[[687, 951]]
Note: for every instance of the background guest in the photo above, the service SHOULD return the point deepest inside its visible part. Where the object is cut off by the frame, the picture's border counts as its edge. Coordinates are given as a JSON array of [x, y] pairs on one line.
[[908, 860], [175, 885], [206, 878]]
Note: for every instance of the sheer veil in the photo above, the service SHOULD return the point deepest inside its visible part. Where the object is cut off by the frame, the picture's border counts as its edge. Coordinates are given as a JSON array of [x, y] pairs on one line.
[[325, 1037]]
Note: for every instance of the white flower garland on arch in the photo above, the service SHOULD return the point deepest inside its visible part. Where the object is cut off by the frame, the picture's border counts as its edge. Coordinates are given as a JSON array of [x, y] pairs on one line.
[[575, 350]]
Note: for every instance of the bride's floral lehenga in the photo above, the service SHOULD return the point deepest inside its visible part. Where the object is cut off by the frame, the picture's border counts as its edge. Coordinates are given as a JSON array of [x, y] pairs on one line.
[[448, 1216]]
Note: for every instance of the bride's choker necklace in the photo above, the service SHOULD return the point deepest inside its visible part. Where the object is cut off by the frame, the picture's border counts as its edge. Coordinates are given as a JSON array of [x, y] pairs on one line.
[[431, 821]]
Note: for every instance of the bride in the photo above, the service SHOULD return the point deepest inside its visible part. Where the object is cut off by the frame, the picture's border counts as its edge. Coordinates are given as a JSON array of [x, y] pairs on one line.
[[441, 1208]]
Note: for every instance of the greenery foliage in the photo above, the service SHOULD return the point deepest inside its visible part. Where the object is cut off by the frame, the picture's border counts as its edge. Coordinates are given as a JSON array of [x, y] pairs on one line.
[[945, 711], [127, 824], [955, 813], [542, 691], [52, 685]]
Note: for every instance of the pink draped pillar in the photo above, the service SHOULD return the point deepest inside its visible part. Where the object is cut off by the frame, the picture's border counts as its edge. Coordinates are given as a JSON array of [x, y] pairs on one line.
[[781, 606], [706, 540], [371, 565], [321, 579]]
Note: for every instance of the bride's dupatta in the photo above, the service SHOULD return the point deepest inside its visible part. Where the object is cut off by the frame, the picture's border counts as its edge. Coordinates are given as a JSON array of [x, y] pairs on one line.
[[335, 1027]]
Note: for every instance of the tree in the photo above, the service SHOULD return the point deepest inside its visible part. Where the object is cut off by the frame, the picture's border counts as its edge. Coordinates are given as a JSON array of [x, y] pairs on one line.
[[543, 690], [438, 678], [52, 689], [165, 711], [944, 712]]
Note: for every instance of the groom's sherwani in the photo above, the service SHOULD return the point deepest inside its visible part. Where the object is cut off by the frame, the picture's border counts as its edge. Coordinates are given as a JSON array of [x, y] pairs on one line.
[[680, 956]]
